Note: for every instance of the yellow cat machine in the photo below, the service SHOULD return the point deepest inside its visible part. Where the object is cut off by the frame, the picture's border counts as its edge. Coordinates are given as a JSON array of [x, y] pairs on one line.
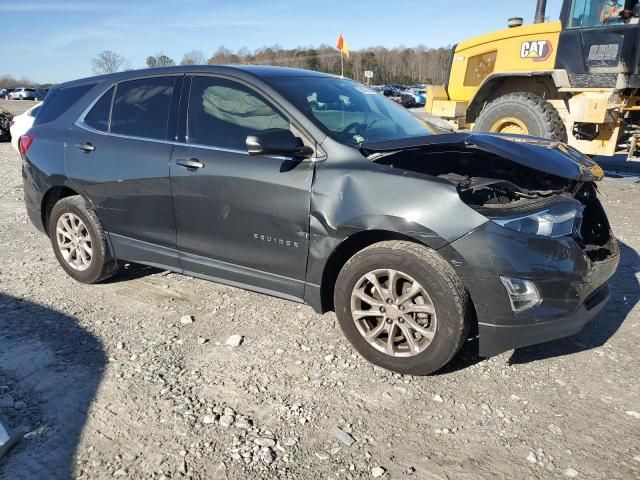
[[576, 80]]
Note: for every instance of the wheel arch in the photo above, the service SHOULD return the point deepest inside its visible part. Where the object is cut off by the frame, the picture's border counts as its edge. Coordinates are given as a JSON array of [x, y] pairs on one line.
[[543, 83], [50, 198], [345, 250]]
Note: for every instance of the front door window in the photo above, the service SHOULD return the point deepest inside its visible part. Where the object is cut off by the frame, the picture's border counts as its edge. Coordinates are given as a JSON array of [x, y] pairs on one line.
[[223, 113]]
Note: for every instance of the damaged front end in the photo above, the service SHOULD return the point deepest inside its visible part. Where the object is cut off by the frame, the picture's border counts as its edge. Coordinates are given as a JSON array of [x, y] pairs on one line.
[[538, 269]]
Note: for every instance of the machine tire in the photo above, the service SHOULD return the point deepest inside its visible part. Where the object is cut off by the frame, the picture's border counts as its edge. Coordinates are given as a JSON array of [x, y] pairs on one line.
[[539, 116]]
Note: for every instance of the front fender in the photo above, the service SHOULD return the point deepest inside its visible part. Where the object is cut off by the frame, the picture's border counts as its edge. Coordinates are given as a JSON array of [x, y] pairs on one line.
[[381, 198]]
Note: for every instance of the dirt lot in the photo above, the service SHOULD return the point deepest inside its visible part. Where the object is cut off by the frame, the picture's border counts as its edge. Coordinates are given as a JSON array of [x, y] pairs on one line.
[[111, 381]]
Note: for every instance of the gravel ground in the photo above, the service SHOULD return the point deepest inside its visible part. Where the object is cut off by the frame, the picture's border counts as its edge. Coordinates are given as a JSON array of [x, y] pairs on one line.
[[133, 378]]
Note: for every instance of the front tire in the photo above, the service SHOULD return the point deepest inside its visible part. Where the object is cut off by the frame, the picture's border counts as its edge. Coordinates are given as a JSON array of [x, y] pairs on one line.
[[79, 242], [403, 307], [522, 113]]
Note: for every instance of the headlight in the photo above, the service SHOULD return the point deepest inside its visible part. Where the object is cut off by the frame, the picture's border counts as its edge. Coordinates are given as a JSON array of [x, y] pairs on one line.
[[556, 220]]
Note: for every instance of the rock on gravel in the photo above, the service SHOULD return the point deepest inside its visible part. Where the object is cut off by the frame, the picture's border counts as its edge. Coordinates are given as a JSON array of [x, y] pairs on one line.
[[265, 442], [267, 456], [186, 319], [378, 472], [344, 437], [556, 430], [571, 473], [226, 420], [289, 441], [234, 341], [209, 419]]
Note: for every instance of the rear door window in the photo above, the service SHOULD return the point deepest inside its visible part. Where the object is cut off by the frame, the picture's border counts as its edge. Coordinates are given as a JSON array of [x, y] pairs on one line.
[[141, 107], [222, 113], [59, 101], [98, 117]]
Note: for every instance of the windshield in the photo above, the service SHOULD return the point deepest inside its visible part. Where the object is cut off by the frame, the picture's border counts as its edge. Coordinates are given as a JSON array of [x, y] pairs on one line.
[[350, 112], [596, 13]]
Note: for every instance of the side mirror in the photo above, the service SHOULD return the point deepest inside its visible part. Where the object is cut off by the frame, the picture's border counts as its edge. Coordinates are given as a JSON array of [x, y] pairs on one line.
[[277, 141]]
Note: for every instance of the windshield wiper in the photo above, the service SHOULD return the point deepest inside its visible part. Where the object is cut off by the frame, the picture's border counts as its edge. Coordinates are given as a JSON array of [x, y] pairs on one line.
[[374, 157]]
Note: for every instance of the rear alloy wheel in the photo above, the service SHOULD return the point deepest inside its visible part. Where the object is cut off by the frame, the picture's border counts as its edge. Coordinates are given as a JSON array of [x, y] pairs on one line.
[[74, 241], [79, 242], [522, 113], [403, 307]]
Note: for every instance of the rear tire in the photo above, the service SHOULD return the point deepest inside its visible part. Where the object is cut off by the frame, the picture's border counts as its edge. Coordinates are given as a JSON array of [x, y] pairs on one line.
[[436, 335], [522, 111], [78, 241]]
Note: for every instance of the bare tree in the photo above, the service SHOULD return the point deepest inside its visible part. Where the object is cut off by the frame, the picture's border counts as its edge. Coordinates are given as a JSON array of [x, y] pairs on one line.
[[194, 57], [108, 62], [9, 81]]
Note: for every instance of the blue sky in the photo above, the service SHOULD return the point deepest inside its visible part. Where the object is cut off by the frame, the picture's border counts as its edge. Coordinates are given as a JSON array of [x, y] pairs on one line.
[[54, 41]]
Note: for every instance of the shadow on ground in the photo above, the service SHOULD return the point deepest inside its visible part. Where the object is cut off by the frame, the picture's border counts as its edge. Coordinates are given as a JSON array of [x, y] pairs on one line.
[[132, 271], [51, 368]]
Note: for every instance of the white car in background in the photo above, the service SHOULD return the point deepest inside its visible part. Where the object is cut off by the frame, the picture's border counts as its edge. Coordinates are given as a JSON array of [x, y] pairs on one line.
[[21, 123], [23, 94]]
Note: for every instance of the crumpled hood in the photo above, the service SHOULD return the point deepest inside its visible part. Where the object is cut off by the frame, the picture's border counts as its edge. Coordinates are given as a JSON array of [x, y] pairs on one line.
[[555, 158]]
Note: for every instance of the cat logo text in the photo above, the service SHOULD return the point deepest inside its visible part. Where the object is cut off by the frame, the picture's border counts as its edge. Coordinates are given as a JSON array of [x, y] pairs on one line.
[[537, 50]]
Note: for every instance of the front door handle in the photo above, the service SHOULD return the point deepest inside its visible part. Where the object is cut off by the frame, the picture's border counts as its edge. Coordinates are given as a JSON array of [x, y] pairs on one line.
[[85, 147], [190, 163]]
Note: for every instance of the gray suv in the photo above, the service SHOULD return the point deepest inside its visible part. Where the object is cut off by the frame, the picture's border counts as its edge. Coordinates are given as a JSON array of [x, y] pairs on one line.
[[315, 189]]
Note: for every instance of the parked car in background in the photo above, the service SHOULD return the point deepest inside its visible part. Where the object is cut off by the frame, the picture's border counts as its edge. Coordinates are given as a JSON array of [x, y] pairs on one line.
[[3, 93], [391, 91], [41, 93], [21, 124], [23, 94], [312, 188]]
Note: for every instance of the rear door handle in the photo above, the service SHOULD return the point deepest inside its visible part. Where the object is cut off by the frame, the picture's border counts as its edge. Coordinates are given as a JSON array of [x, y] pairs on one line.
[[85, 147], [190, 163]]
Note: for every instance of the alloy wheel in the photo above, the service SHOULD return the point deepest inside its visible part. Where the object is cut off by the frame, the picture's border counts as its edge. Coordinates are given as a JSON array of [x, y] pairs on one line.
[[393, 313], [74, 241]]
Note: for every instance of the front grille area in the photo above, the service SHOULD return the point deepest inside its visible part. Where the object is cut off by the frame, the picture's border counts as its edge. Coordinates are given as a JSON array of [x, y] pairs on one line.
[[595, 233]]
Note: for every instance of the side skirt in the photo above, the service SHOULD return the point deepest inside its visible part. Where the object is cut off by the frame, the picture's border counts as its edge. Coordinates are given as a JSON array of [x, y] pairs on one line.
[[137, 251]]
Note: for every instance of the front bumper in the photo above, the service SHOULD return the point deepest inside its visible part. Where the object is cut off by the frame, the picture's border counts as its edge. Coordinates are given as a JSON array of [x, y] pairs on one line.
[[574, 288], [495, 339]]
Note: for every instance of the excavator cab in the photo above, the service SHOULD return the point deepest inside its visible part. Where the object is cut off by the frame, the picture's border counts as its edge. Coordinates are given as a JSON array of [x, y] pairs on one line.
[[599, 43]]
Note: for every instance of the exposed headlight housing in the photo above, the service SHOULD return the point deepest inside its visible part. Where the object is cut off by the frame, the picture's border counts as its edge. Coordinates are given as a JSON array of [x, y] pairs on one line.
[[556, 220]]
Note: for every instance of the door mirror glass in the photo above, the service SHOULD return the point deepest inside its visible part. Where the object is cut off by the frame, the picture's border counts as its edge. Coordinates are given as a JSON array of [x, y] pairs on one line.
[[277, 141]]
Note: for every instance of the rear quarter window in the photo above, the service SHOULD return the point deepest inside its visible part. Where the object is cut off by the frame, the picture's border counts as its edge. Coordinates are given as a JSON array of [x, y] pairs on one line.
[[59, 101], [98, 117]]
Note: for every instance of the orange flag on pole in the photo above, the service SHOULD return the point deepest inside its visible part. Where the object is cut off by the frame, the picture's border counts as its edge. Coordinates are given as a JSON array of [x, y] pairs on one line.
[[342, 45]]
